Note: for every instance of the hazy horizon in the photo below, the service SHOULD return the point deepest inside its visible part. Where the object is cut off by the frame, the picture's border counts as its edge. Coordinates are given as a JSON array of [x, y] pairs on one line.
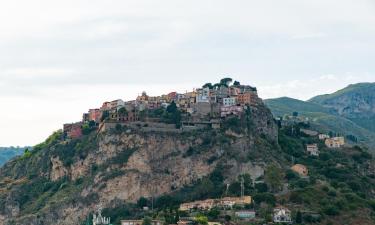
[[58, 59]]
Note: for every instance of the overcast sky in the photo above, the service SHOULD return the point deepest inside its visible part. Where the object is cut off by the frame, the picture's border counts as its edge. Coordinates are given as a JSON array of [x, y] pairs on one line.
[[59, 58]]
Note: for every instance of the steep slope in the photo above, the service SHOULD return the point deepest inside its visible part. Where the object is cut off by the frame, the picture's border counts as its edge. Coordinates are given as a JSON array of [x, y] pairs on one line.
[[355, 102], [323, 118], [61, 182]]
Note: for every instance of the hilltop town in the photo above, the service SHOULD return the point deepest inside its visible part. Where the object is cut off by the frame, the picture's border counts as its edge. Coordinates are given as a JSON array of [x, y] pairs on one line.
[[201, 107]]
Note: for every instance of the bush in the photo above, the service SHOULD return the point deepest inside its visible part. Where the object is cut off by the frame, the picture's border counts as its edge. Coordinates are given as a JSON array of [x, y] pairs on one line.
[[331, 210], [265, 197], [371, 203], [261, 187]]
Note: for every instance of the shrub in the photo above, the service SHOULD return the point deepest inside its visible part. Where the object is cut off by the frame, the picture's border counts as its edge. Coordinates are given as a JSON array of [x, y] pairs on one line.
[[265, 197], [331, 210]]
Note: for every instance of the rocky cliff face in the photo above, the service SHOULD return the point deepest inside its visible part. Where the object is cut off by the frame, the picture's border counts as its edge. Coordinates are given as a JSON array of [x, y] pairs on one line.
[[62, 182]]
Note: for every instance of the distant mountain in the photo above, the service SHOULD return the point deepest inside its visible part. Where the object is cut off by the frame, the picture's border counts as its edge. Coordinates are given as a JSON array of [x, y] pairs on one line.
[[7, 153], [355, 102], [324, 118]]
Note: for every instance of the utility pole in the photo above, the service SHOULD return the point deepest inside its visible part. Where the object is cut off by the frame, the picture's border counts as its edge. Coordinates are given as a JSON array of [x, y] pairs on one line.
[[242, 188], [152, 178]]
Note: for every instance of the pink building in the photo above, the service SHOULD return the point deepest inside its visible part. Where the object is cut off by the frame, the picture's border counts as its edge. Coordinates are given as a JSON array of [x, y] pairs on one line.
[[94, 115], [231, 110], [106, 106], [73, 130], [172, 96]]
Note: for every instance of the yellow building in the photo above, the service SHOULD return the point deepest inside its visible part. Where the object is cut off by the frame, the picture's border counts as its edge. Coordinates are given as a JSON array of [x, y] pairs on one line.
[[226, 202], [335, 142]]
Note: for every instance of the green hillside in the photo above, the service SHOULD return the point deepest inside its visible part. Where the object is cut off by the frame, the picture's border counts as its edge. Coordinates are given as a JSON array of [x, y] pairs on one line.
[[353, 88], [355, 102], [285, 105], [323, 119]]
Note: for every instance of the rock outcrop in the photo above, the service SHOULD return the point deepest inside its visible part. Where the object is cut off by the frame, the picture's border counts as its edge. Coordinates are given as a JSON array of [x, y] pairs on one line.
[[66, 180]]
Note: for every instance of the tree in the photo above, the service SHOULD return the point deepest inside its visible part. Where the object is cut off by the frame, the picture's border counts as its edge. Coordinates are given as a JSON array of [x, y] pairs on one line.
[[86, 129], [172, 108], [299, 217], [142, 202], [261, 187], [201, 220], [208, 85], [105, 115], [147, 221], [122, 112], [173, 114], [236, 83], [92, 123], [216, 86], [226, 81], [273, 177]]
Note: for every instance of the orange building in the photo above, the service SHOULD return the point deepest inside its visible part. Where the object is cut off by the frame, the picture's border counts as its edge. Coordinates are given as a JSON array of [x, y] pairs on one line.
[[247, 98], [300, 169]]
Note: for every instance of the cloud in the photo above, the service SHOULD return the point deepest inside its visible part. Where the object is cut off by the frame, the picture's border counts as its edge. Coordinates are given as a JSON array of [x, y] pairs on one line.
[[306, 89], [61, 57]]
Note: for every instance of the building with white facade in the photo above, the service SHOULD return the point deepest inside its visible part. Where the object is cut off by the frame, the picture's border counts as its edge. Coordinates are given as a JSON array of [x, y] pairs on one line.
[[229, 101], [282, 215]]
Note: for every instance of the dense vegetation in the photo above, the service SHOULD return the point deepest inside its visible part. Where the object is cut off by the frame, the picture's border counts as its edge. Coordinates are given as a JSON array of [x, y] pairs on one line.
[[339, 184]]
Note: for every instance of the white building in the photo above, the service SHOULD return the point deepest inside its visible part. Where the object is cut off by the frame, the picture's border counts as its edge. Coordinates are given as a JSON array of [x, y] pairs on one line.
[[245, 214], [100, 220], [117, 104], [323, 136], [282, 215], [313, 149], [229, 101], [203, 95]]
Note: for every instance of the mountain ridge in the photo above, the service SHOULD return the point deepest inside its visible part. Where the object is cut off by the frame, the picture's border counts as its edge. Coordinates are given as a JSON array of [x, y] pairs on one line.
[[350, 110]]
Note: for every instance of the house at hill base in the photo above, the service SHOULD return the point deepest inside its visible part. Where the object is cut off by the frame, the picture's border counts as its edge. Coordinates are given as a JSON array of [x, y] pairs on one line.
[[300, 169], [140, 222], [245, 214], [98, 219], [282, 215], [226, 202]]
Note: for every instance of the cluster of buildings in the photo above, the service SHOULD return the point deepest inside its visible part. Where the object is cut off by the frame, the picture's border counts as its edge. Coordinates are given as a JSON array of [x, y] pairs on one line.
[[215, 101], [226, 202], [335, 142]]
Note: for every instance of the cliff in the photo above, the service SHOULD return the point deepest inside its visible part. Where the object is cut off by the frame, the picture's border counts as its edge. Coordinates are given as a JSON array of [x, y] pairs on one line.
[[61, 182]]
